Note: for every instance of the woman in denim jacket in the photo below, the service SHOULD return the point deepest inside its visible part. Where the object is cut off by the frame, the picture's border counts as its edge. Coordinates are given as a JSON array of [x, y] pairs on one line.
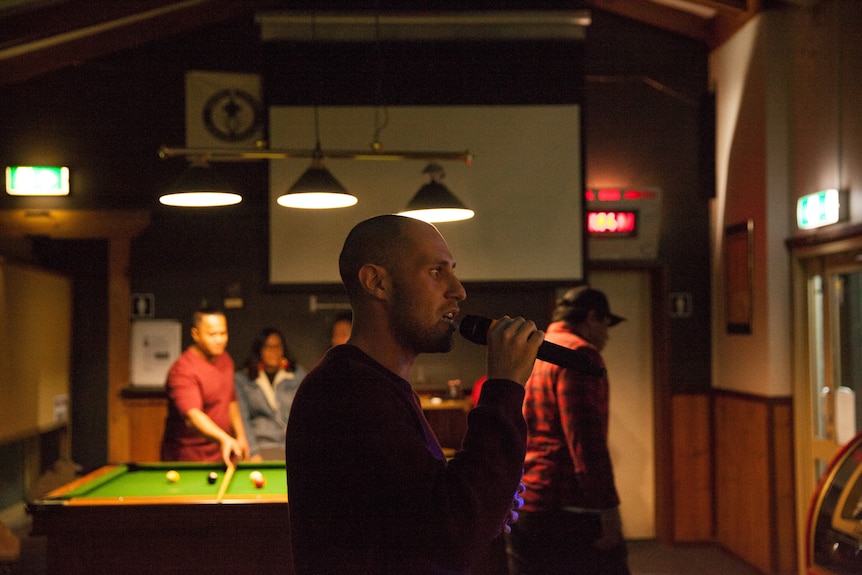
[[265, 387]]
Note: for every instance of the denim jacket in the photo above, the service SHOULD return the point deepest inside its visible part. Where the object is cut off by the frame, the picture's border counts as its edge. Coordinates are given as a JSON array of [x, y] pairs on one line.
[[265, 408]]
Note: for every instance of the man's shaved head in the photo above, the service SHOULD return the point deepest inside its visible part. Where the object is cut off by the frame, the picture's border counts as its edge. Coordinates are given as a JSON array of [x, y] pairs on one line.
[[379, 240]]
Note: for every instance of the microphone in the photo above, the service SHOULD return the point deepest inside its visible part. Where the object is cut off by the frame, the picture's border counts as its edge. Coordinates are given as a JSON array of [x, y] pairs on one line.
[[475, 328]]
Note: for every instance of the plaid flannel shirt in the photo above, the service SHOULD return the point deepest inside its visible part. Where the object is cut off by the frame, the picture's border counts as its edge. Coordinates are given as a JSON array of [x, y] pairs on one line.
[[567, 462]]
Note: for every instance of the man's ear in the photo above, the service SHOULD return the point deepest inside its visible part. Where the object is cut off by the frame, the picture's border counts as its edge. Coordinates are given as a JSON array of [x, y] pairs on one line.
[[374, 280]]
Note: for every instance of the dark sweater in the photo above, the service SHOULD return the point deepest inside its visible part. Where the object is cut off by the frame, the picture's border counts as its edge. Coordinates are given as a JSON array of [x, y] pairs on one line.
[[368, 486]]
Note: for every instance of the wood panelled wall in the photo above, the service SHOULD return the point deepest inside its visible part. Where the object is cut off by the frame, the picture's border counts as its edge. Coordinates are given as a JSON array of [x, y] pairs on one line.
[[692, 468], [733, 476], [754, 499]]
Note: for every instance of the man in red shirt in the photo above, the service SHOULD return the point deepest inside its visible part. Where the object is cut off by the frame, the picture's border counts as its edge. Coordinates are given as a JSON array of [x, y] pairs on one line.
[[204, 421], [570, 521]]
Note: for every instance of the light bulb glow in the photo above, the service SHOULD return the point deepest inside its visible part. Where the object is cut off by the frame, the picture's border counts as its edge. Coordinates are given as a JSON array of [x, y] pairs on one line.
[[200, 199], [316, 200], [437, 215]]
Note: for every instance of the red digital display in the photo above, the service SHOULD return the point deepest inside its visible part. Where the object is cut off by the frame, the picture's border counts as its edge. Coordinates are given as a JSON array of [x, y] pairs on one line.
[[639, 195], [617, 194], [612, 223]]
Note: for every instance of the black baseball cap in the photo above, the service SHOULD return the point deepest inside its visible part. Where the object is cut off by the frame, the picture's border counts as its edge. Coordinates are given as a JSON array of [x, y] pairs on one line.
[[580, 301]]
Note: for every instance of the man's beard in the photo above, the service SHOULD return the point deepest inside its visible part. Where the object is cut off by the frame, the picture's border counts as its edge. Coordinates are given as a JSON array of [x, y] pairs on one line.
[[409, 331]]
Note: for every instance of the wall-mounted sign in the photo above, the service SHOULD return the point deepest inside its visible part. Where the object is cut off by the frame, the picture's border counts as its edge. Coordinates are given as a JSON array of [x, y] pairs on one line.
[[623, 223], [143, 305], [37, 181], [223, 110], [156, 345], [821, 208], [680, 304]]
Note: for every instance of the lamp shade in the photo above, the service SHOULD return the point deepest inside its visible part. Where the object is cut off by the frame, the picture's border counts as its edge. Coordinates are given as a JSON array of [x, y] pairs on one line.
[[317, 189], [199, 186], [434, 202]]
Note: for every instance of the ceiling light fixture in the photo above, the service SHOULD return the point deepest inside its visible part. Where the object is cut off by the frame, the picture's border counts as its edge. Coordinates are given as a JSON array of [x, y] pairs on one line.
[[434, 202], [317, 189], [199, 186]]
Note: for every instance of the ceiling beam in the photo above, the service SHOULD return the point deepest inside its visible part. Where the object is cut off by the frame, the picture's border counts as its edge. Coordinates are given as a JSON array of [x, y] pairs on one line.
[[79, 32], [660, 16], [710, 22], [729, 21]]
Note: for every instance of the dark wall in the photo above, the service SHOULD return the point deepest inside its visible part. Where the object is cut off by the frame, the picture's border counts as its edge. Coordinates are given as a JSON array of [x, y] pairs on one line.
[[649, 122], [644, 94], [87, 262], [107, 118], [415, 73]]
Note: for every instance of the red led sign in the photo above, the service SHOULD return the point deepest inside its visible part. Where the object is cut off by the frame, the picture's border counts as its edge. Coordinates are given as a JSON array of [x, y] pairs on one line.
[[612, 223], [616, 194]]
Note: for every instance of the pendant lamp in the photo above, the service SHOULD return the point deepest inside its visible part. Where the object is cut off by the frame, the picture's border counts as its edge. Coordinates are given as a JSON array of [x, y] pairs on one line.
[[199, 186], [317, 188], [434, 202]]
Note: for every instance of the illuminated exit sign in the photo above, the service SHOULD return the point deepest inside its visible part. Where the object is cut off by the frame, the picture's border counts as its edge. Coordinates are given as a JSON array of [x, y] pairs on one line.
[[820, 209], [37, 181]]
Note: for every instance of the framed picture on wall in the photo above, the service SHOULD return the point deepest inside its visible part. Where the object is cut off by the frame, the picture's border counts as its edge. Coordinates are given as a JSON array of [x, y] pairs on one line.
[[739, 287]]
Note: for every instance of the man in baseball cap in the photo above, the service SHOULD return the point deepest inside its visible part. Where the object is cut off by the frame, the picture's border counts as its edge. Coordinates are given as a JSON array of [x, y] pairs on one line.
[[570, 520], [576, 303]]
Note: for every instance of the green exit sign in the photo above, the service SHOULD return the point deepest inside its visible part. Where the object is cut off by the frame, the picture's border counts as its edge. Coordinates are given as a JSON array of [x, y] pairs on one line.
[[820, 209], [37, 181]]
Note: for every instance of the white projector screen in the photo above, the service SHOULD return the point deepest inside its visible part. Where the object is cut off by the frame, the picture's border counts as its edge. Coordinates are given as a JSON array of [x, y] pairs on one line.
[[525, 184]]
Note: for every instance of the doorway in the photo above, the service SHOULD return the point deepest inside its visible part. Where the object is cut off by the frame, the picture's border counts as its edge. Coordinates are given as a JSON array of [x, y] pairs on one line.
[[828, 381], [629, 359]]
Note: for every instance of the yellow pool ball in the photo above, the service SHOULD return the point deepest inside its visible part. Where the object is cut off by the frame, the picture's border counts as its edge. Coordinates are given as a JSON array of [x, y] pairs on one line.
[[172, 476]]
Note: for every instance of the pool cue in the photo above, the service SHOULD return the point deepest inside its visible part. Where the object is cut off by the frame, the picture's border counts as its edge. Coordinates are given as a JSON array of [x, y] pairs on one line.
[[228, 475]]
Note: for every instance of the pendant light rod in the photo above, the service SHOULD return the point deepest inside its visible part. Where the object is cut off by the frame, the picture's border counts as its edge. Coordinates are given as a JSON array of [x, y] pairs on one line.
[[241, 155]]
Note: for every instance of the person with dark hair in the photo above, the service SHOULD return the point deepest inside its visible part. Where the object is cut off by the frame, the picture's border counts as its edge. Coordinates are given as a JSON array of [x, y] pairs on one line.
[[370, 489], [341, 326], [570, 522], [204, 422], [265, 387]]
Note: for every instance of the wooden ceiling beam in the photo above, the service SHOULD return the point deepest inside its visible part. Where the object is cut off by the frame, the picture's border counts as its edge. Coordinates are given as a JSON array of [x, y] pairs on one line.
[[89, 33], [660, 16], [729, 21], [728, 16]]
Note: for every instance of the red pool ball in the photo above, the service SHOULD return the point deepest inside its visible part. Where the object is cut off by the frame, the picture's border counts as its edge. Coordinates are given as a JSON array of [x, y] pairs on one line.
[[259, 481]]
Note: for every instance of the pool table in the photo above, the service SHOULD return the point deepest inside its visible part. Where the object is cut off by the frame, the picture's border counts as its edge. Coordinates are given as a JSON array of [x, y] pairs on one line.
[[130, 519]]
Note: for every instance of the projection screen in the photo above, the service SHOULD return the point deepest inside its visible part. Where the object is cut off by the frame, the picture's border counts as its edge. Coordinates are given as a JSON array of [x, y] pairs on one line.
[[525, 184]]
